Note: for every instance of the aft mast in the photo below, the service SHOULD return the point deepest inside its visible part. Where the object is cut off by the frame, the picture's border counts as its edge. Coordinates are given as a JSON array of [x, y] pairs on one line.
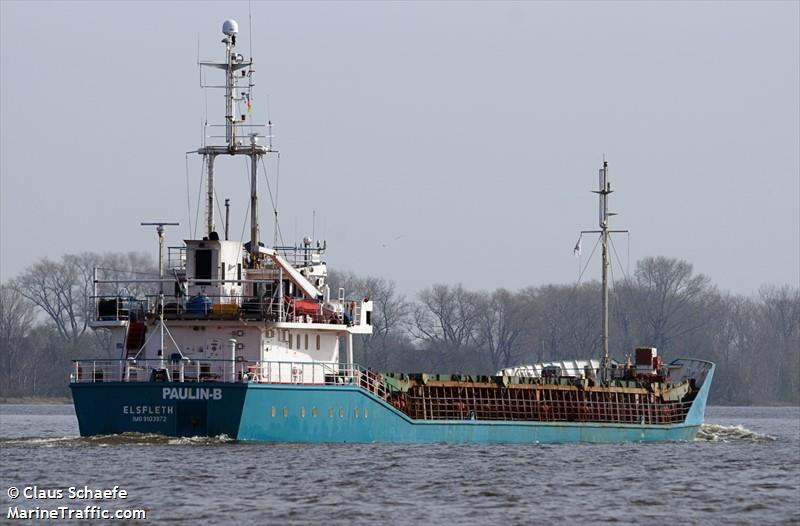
[[238, 86]]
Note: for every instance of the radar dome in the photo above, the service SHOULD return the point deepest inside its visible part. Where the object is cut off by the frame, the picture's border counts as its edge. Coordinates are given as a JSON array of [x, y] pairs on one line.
[[230, 27]]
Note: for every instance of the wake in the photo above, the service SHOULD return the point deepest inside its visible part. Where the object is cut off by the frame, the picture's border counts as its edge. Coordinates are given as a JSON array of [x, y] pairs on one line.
[[113, 440], [718, 433]]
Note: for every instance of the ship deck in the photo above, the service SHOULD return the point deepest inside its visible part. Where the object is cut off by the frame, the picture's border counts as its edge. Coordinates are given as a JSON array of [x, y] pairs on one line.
[[424, 397]]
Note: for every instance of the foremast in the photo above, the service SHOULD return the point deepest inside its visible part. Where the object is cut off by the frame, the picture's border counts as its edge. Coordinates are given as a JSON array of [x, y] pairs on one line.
[[238, 71], [603, 191]]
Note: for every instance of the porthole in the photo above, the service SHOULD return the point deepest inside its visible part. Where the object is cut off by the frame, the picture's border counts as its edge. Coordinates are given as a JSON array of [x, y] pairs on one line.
[[341, 412], [314, 412], [355, 412], [285, 411], [366, 412], [330, 412], [274, 411], [302, 412]]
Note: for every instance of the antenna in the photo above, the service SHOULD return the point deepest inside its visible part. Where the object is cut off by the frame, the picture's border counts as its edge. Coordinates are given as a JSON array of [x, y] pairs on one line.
[[250, 24]]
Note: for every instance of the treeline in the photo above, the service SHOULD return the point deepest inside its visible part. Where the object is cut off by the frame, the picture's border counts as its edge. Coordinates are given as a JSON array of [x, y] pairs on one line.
[[44, 319], [755, 341]]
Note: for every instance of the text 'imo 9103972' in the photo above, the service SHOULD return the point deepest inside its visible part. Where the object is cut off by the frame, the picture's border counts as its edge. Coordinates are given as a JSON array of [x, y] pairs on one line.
[[244, 340]]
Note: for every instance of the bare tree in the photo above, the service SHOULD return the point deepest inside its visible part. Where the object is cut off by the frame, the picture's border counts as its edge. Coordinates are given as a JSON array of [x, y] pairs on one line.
[[121, 266], [668, 301], [57, 288], [502, 321], [567, 322], [731, 335], [16, 319], [445, 321], [446, 315], [779, 338], [389, 317], [63, 289]]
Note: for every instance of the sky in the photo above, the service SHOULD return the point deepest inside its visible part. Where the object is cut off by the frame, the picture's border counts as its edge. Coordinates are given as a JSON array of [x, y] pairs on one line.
[[425, 142]]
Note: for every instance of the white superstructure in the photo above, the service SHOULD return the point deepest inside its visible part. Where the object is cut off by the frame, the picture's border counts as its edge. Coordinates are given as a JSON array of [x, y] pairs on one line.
[[223, 302]]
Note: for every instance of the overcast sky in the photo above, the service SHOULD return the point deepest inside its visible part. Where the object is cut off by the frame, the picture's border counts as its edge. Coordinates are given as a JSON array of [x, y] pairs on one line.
[[437, 142]]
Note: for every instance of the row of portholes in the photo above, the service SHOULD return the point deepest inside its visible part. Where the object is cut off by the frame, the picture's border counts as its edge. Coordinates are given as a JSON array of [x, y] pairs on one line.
[[314, 412]]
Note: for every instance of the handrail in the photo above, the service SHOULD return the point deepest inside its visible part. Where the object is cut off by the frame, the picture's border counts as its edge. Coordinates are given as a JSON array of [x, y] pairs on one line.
[[226, 306], [228, 371]]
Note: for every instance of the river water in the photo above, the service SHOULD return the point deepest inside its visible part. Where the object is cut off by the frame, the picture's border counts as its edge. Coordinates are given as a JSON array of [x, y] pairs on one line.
[[744, 468]]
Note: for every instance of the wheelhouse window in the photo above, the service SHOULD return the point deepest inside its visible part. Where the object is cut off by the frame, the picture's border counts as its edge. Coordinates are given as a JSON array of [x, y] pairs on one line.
[[202, 266]]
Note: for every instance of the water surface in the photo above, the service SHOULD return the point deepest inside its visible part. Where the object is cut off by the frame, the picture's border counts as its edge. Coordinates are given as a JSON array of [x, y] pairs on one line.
[[744, 468]]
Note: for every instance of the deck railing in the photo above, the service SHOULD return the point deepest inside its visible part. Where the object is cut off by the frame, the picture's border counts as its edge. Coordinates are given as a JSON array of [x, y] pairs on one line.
[[225, 307], [117, 308], [540, 404], [229, 371]]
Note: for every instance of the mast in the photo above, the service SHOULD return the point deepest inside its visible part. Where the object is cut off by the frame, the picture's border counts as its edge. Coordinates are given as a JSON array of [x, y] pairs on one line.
[[603, 191], [237, 70], [210, 194], [227, 216], [160, 231], [253, 197]]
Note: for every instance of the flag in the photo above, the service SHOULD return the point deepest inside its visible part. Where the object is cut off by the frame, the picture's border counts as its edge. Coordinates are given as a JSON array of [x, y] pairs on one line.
[[577, 249]]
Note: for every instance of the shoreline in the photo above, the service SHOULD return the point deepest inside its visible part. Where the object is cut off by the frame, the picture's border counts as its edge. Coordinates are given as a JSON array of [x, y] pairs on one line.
[[36, 400]]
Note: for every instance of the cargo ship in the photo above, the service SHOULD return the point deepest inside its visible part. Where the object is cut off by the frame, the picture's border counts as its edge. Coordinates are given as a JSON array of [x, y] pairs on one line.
[[239, 339]]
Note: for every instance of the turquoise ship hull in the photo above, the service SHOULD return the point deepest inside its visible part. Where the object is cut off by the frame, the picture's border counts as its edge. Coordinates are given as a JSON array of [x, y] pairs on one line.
[[325, 414]]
